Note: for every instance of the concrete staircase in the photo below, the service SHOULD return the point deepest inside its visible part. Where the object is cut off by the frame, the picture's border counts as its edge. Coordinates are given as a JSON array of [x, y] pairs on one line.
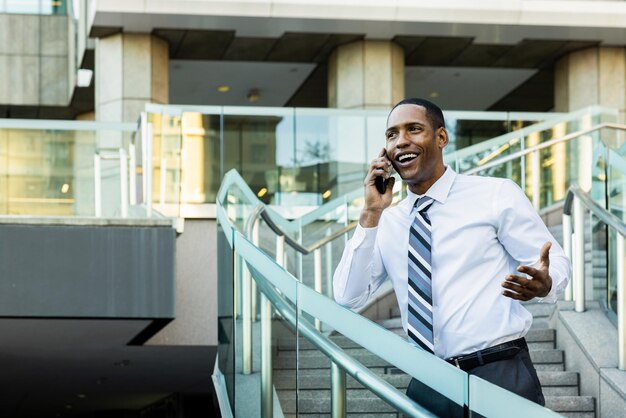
[[312, 379]]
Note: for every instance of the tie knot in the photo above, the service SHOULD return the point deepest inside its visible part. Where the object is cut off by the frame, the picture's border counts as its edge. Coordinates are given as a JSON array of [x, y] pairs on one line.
[[424, 203]]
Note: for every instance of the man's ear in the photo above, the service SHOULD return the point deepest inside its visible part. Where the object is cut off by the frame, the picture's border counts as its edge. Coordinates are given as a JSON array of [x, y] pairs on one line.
[[442, 137]]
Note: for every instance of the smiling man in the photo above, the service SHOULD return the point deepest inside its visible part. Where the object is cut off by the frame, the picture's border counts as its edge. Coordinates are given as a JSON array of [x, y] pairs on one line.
[[453, 250]]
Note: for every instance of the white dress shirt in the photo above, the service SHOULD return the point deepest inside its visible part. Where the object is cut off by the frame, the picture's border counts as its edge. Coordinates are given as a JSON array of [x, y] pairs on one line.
[[483, 228]]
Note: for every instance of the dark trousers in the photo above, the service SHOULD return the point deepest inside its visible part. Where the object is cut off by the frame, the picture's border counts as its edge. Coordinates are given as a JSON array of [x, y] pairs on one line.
[[516, 374]]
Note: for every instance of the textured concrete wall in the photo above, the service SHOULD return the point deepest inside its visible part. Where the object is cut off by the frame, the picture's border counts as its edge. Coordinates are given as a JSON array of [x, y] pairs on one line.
[[34, 60], [86, 271], [196, 287]]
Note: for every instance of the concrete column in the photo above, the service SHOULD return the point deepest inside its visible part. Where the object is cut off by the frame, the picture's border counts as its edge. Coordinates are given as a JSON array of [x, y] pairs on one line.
[[131, 70], [366, 75], [591, 76]]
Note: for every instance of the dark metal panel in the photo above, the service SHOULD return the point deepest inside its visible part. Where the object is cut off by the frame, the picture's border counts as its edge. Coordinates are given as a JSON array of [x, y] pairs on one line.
[[480, 55], [333, 42], [530, 54], [438, 51], [204, 45], [534, 95], [83, 271], [297, 47], [249, 49]]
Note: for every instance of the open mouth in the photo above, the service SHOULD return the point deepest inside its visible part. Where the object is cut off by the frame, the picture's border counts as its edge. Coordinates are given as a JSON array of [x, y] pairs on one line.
[[406, 158]]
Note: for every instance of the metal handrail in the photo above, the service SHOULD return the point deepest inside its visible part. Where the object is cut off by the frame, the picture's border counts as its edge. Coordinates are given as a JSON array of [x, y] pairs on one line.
[[358, 371], [601, 213], [538, 147], [277, 286], [573, 240], [483, 146]]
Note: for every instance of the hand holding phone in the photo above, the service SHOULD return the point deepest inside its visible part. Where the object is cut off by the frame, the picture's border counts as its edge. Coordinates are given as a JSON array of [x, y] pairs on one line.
[[380, 181], [381, 184]]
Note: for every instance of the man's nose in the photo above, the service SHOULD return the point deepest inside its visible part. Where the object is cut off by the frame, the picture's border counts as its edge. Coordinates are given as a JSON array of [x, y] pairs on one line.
[[403, 139]]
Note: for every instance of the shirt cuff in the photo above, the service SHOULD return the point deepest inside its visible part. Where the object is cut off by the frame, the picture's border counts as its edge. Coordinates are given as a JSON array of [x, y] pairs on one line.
[[364, 237]]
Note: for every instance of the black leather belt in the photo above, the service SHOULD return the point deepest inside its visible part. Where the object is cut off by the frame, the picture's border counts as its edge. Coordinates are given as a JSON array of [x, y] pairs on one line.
[[488, 355]]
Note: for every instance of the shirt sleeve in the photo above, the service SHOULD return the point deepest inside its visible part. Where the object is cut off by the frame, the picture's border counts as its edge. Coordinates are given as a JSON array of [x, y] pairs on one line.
[[522, 233], [360, 271]]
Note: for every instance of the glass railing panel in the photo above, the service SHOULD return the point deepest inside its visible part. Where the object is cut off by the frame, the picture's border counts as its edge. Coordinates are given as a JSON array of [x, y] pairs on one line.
[[526, 137], [49, 168], [226, 315], [488, 400], [330, 152], [166, 163], [616, 192], [293, 158], [38, 7]]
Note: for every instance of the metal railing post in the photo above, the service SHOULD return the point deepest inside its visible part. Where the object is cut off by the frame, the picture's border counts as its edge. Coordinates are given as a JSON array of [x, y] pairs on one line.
[[97, 186], [579, 256], [246, 321], [267, 392], [253, 291], [536, 169], [329, 267], [567, 247], [123, 182], [338, 391], [163, 180], [317, 263], [621, 301], [147, 170], [132, 171]]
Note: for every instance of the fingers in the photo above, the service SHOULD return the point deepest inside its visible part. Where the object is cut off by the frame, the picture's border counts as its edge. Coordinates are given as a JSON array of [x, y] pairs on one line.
[[545, 253], [518, 287], [531, 271], [379, 167]]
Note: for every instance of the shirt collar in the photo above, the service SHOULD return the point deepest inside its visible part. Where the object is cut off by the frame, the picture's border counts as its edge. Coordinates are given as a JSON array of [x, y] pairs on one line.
[[438, 191]]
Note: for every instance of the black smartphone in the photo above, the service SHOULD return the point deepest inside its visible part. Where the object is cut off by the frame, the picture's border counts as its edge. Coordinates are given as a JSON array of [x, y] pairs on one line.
[[381, 184]]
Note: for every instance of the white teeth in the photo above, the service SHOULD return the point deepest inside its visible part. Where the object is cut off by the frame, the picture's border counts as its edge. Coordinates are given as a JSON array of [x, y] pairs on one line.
[[406, 157]]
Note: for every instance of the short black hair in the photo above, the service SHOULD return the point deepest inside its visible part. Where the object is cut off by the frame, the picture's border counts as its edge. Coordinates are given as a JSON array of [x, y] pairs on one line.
[[433, 112]]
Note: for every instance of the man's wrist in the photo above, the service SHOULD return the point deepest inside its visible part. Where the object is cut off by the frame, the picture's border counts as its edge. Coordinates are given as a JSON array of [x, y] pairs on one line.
[[369, 218]]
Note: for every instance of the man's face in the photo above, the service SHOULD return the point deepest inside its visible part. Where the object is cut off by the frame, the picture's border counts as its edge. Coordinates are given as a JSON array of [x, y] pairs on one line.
[[414, 146]]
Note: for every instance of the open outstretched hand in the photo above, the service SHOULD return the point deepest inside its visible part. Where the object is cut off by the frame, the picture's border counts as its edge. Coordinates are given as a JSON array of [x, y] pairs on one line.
[[540, 283]]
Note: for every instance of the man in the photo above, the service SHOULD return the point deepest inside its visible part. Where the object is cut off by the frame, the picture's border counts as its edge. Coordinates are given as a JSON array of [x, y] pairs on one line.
[[454, 250]]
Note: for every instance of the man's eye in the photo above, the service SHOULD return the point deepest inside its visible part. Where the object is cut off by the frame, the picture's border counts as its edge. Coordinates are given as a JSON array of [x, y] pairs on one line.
[[391, 135]]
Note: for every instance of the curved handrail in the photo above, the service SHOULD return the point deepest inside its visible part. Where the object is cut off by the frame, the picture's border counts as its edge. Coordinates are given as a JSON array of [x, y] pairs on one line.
[[565, 138], [600, 212], [331, 350], [500, 140], [281, 226], [279, 286], [233, 178]]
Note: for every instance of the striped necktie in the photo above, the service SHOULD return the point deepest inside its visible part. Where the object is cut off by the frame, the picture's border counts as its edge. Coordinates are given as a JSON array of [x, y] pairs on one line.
[[420, 312]]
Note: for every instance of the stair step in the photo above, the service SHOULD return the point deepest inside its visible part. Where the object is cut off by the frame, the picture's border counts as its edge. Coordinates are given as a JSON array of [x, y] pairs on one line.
[[320, 379], [318, 402], [540, 310], [312, 359], [571, 403], [553, 383], [363, 401], [546, 356]]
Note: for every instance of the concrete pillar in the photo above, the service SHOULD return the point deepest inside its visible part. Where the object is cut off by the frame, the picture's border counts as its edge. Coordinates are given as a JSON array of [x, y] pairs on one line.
[[131, 70], [591, 76], [366, 75]]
